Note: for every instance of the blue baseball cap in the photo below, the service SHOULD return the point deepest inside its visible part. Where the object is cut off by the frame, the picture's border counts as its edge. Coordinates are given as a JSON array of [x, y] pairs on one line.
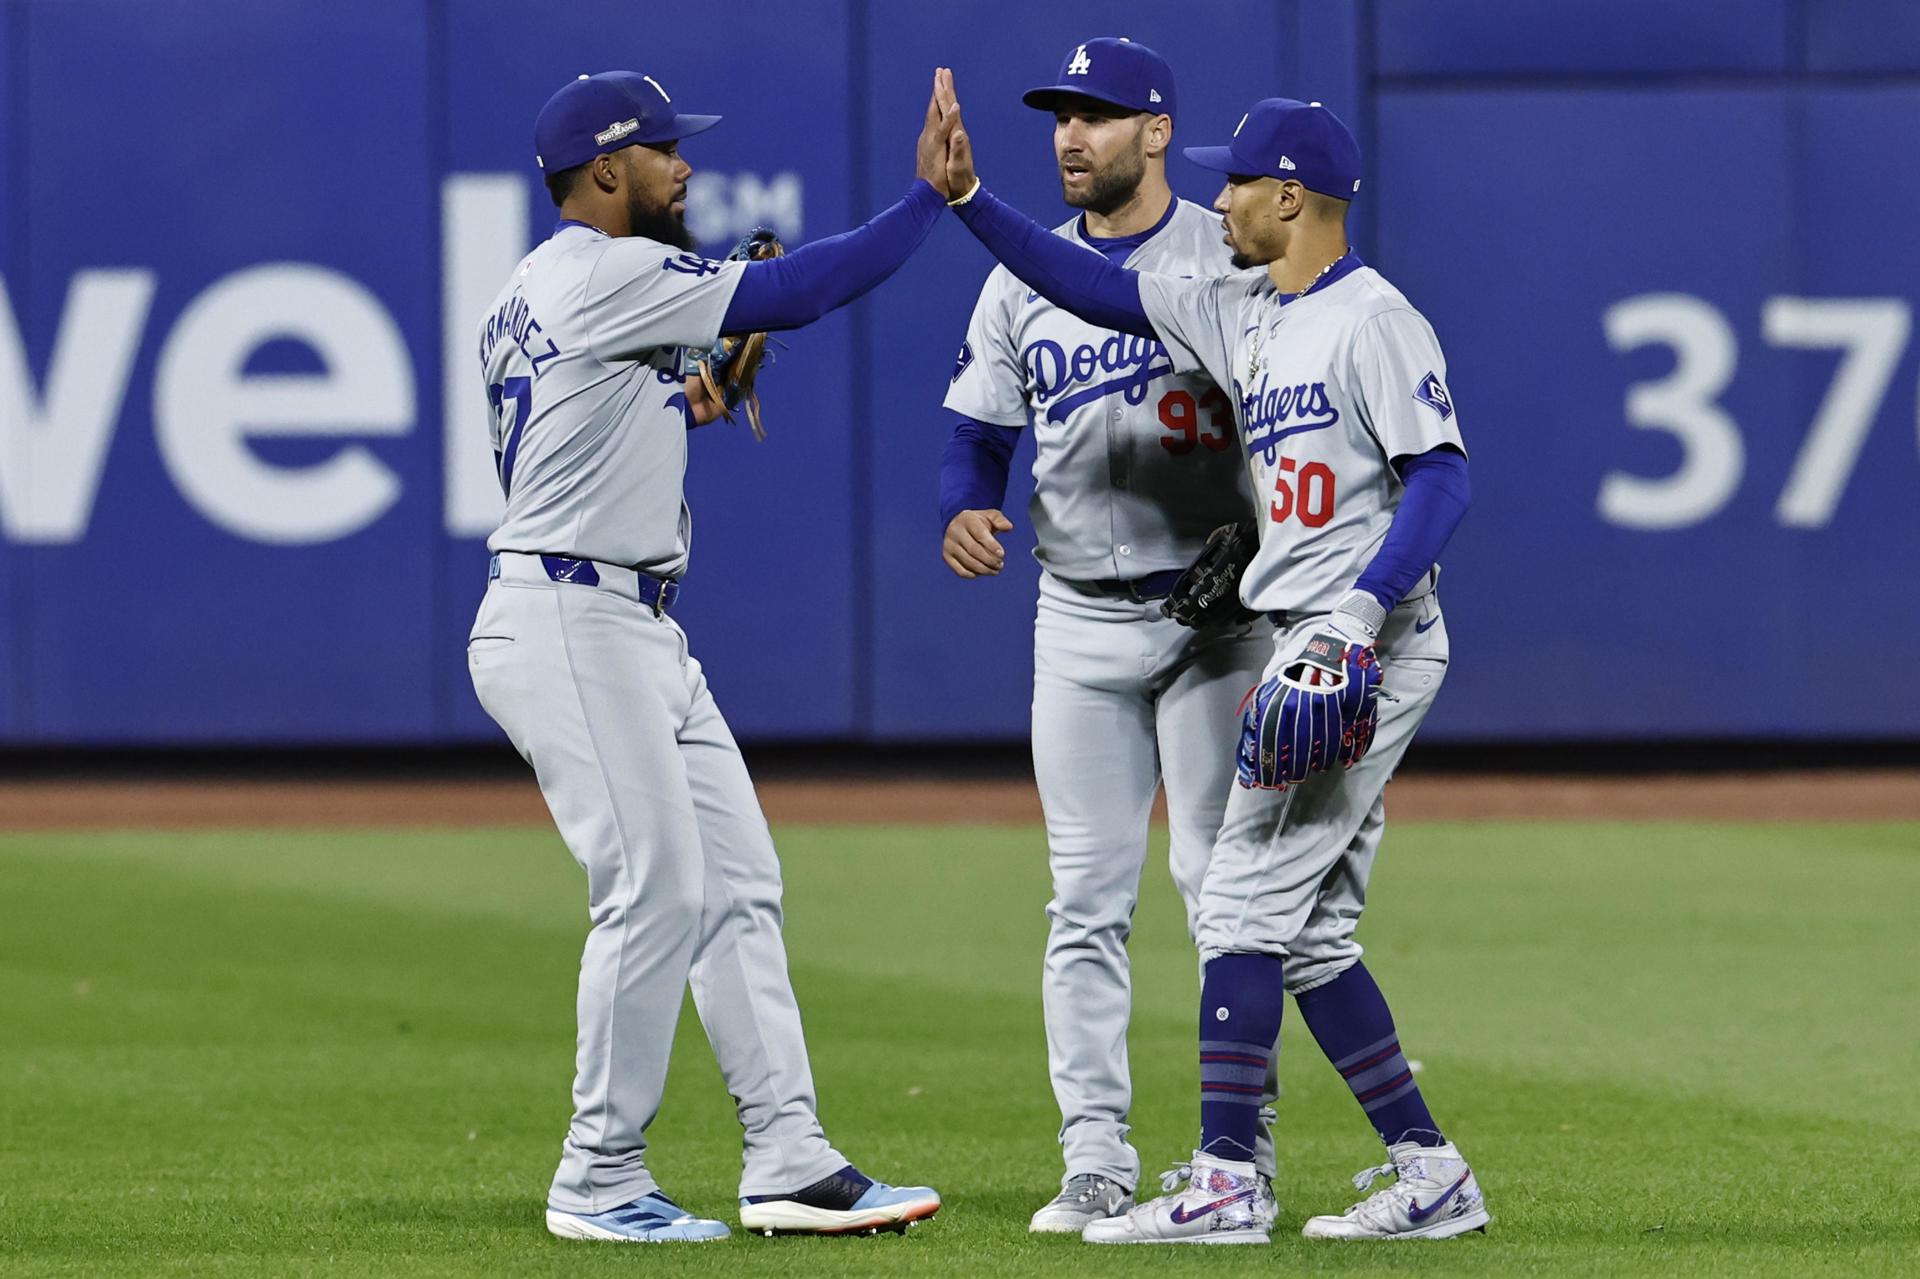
[[597, 114], [1112, 69], [1283, 138]]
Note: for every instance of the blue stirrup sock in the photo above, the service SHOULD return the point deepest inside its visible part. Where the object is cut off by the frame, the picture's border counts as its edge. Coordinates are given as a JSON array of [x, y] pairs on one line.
[[1350, 1020], [1241, 1001]]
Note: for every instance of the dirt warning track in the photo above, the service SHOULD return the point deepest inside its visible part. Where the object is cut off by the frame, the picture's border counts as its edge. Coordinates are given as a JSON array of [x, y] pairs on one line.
[[1891, 795]]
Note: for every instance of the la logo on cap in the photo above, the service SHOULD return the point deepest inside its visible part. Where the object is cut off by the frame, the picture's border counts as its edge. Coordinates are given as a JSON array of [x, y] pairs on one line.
[[1081, 63]]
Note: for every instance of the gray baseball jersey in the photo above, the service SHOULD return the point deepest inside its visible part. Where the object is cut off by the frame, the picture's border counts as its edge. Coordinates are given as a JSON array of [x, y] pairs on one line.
[[1134, 464], [581, 356], [1327, 389]]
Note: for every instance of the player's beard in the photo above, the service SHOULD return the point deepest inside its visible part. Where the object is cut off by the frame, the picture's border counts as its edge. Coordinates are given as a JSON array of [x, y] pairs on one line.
[[1241, 259], [661, 223], [1109, 188]]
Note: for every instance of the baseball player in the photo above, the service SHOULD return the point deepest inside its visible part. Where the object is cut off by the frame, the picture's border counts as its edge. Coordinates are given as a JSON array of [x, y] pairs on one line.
[[576, 655], [1134, 465], [1354, 451]]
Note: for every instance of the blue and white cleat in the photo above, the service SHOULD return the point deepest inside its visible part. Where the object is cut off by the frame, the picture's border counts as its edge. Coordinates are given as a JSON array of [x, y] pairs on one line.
[[846, 1203], [1225, 1201], [652, 1218], [1434, 1196]]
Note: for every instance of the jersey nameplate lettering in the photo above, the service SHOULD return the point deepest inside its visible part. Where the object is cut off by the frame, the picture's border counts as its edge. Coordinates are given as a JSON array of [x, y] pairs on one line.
[[1133, 361]]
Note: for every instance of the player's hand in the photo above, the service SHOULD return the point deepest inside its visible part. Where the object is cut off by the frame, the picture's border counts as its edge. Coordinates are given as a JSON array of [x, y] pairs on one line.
[[930, 153], [970, 548], [960, 174], [703, 407]]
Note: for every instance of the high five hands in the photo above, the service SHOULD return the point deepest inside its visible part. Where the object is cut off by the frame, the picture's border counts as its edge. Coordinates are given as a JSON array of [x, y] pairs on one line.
[[960, 177], [930, 153], [944, 155]]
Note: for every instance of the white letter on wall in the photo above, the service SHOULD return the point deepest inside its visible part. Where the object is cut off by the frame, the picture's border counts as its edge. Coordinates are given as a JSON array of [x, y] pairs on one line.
[[205, 406], [483, 236], [53, 447]]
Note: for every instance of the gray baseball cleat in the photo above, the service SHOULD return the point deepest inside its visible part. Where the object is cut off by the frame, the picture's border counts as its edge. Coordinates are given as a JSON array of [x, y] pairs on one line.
[[1086, 1197]]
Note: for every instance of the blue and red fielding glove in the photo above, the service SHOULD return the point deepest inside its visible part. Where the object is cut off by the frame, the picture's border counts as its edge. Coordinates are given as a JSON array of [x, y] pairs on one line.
[[1321, 710]]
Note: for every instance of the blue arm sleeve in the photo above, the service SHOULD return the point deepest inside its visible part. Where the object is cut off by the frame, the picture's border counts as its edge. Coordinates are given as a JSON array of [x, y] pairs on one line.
[[1068, 275], [1437, 496], [815, 278], [975, 466]]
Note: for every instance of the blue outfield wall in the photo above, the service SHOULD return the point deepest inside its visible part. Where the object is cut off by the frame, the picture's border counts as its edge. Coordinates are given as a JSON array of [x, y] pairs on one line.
[[13, 608], [244, 476]]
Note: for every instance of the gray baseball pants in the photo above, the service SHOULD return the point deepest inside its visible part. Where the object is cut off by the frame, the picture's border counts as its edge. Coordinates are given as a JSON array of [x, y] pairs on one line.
[[1122, 699], [650, 793]]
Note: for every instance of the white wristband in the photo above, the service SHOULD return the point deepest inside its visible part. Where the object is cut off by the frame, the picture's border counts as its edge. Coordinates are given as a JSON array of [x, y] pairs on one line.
[[971, 192]]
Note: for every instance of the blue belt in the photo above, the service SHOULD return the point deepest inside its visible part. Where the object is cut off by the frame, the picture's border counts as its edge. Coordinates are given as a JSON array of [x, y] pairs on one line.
[[656, 593], [1141, 590]]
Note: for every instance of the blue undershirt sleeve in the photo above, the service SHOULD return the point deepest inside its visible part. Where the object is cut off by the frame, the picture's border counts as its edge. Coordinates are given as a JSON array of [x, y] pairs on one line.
[[800, 287], [1067, 274], [1437, 497], [974, 467]]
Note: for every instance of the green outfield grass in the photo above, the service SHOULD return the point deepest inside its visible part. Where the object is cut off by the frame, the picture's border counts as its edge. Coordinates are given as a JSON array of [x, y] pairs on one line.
[[1669, 1050]]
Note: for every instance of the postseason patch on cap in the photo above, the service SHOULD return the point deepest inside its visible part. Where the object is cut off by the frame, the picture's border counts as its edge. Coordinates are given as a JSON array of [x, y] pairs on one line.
[[615, 132]]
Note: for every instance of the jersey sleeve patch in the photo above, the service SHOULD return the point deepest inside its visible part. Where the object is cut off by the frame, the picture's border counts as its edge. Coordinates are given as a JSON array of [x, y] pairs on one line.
[[963, 361], [1433, 393]]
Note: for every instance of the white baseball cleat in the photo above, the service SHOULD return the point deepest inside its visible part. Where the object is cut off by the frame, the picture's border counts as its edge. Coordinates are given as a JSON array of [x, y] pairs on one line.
[[1435, 1197], [1226, 1201], [847, 1202], [1087, 1197]]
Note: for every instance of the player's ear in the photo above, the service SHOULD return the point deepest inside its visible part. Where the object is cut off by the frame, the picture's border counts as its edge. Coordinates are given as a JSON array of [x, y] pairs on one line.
[[1159, 134], [605, 171], [1289, 200]]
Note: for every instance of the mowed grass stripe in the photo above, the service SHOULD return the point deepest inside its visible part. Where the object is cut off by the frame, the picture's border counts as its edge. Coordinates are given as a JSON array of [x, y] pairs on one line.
[[1670, 1049]]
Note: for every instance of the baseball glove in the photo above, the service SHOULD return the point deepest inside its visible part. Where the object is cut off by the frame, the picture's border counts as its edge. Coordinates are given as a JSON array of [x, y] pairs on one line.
[[1208, 592], [731, 368], [1321, 710]]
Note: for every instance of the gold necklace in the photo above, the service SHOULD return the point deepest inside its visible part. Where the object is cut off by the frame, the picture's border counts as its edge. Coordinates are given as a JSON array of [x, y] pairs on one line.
[[1257, 346], [1323, 272]]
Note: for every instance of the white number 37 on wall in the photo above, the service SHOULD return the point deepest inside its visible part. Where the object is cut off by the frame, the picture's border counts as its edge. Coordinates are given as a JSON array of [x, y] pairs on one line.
[[1870, 332]]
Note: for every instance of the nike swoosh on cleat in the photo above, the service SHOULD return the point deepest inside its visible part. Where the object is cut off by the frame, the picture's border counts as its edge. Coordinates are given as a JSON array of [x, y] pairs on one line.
[[1181, 1217], [1416, 1214], [1423, 627]]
